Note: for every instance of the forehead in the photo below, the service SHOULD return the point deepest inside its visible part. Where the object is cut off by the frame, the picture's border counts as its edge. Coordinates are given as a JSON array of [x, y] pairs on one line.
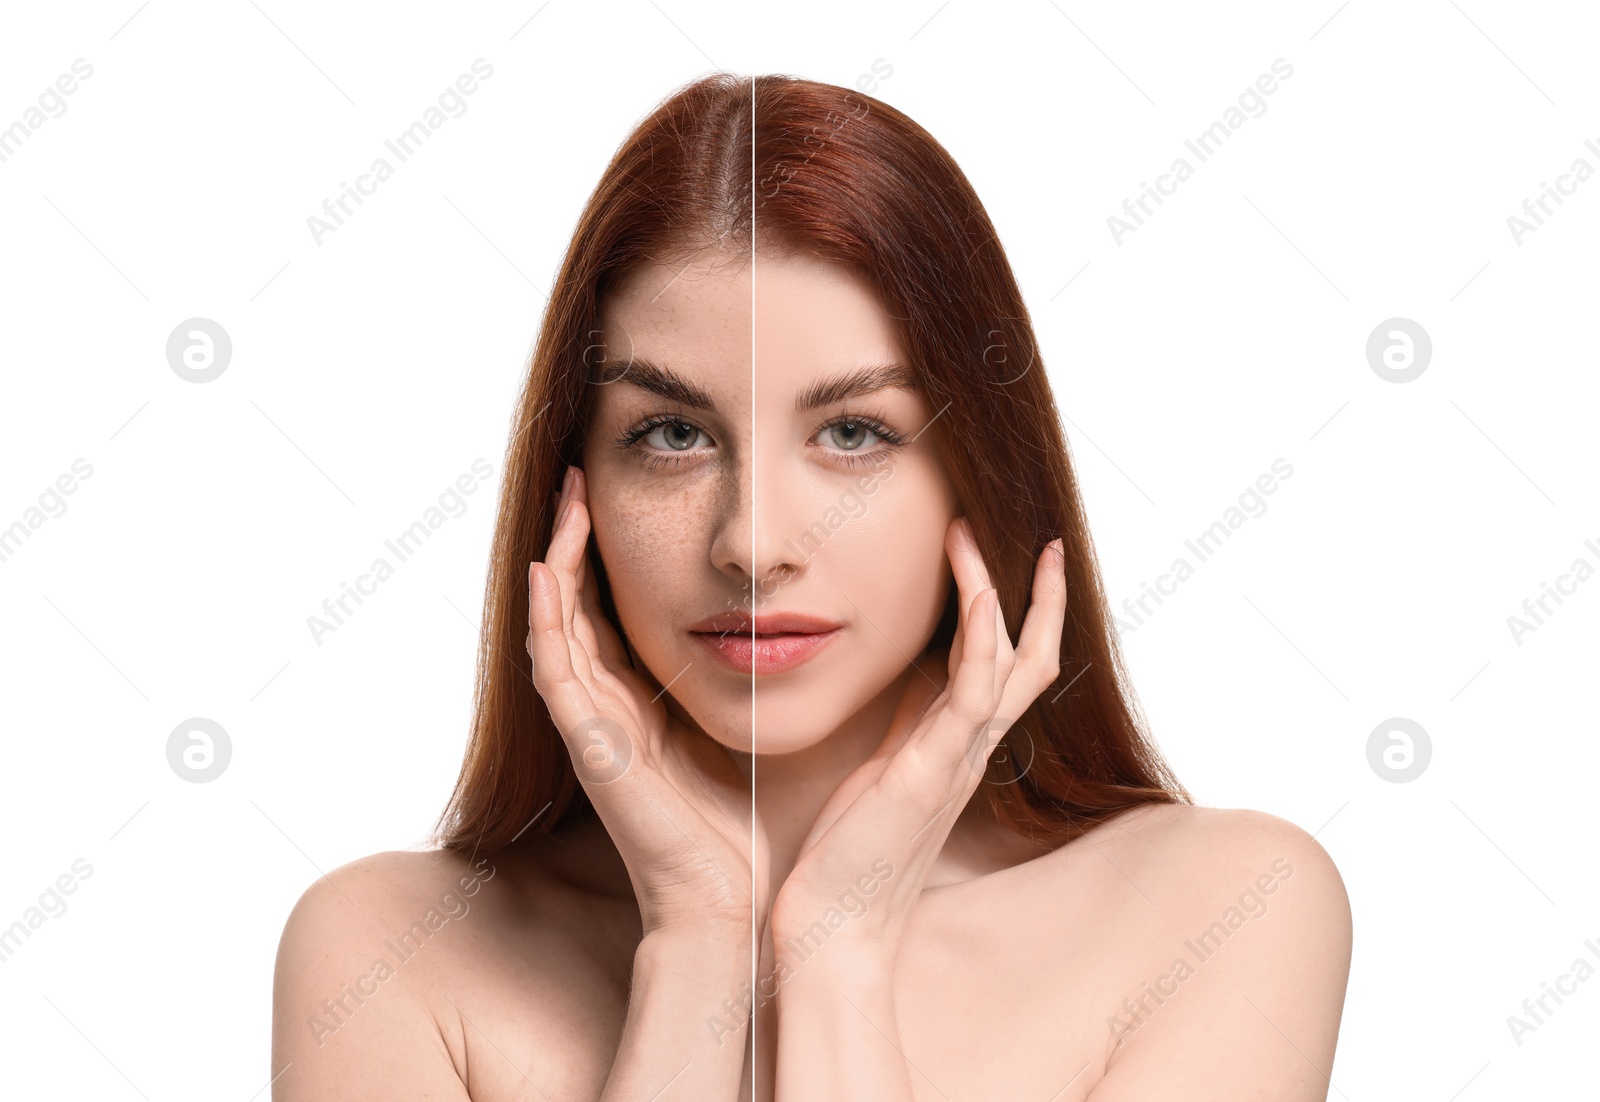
[[705, 317]]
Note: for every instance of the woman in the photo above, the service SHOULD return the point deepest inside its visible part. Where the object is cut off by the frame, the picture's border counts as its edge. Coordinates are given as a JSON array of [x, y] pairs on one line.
[[803, 763]]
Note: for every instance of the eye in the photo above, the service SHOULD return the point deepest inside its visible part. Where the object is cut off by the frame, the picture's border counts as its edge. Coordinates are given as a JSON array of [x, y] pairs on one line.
[[669, 440], [672, 436], [851, 433]]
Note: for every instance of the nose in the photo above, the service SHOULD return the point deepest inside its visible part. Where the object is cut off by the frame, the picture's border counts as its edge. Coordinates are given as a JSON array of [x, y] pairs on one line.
[[758, 538]]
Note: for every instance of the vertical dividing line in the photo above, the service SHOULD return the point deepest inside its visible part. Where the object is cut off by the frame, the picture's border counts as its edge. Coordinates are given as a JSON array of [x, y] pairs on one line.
[[755, 930]]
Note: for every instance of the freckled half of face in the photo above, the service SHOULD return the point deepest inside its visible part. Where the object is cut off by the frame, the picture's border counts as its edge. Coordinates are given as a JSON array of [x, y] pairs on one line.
[[756, 462]]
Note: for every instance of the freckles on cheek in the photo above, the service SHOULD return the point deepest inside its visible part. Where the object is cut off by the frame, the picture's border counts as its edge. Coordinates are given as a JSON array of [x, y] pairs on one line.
[[645, 533]]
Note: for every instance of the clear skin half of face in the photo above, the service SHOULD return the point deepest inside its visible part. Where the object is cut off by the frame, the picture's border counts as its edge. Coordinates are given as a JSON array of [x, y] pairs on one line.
[[758, 506]]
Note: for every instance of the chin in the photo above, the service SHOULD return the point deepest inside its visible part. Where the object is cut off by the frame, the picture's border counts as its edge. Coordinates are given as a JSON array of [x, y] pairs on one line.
[[778, 728], [784, 735]]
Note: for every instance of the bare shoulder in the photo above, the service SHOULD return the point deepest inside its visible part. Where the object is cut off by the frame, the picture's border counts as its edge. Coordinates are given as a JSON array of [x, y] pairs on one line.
[[390, 878], [389, 968], [358, 952], [1198, 851], [1191, 865], [376, 897], [1240, 958]]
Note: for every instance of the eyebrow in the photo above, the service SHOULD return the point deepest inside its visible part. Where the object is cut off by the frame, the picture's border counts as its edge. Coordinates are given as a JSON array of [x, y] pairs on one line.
[[854, 384], [656, 379]]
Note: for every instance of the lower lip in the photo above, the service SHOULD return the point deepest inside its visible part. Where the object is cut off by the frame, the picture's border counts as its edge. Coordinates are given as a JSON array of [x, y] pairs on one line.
[[764, 654]]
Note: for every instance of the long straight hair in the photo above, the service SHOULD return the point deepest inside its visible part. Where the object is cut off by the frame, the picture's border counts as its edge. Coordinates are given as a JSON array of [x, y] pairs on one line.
[[783, 165]]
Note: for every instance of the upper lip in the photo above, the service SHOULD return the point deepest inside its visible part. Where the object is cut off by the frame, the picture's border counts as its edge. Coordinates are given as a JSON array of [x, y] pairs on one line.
[[764, 623]]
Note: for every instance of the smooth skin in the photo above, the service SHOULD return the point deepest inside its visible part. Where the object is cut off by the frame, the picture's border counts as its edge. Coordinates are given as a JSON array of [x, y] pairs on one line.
[[613, 958]]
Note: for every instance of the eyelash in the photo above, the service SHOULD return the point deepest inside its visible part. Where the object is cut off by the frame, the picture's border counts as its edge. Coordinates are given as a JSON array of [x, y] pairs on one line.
[[873, 423]]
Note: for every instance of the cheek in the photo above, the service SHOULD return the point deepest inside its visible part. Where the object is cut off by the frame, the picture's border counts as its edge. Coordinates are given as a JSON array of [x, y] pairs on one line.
[[647, 539], [891, 555]]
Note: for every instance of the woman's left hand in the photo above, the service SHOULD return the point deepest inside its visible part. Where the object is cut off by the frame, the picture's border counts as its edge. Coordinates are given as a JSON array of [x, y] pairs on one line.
[[888, 820]]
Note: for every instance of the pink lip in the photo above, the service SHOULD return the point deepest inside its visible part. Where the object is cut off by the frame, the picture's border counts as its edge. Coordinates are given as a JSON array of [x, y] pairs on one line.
[[737, 621], [765, 654]]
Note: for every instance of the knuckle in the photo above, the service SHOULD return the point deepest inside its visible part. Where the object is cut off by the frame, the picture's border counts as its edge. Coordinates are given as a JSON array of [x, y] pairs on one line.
[[547, 679]]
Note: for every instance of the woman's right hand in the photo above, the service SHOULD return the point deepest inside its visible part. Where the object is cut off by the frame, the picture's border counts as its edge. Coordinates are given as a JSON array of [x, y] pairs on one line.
[[676, 805]]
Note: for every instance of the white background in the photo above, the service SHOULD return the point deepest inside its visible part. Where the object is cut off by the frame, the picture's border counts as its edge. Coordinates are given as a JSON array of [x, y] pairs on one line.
[[369, 371]]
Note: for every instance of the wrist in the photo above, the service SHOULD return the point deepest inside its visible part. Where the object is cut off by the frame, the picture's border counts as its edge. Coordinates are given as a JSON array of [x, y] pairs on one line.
[[703, 974], [709, 944], [839, 965]]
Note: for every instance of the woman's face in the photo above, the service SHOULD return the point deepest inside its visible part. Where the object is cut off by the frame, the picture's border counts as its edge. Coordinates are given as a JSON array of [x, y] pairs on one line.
[[782, 491]]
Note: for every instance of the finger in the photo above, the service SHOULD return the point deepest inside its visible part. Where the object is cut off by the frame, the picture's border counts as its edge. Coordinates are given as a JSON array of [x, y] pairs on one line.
[[953, 658], [562, 567], [582, 627], [586, 628], [974, 690], [580, 624], [1038, 657], [956, 540], [933, 769], [1021, 675], [1005, 657], [558, 502], [567, 544], [588, 599], [558, 511], [985, 734], [601, 749], [972, 573], [972, 577], [554, 673], [972, 693], [567, 557]]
